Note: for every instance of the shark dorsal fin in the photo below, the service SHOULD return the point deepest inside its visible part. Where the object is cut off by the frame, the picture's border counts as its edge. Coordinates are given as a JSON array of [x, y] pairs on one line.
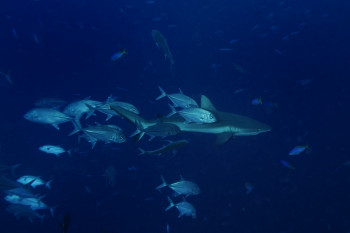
[[207, 104]]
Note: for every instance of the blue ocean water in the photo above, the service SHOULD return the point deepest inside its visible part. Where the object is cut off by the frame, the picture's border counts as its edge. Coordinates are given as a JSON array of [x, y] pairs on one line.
[[294, 54]]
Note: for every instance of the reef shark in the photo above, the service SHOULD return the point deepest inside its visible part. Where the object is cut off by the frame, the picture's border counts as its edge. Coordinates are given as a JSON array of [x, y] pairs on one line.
[[227, 125]]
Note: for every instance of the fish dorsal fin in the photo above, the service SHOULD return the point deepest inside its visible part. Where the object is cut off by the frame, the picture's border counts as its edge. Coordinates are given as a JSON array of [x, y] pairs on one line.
[[207, 104], [181, 178]]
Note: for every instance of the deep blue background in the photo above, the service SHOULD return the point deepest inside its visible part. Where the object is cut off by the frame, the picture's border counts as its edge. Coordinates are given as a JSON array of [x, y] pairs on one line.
[[72, 61]]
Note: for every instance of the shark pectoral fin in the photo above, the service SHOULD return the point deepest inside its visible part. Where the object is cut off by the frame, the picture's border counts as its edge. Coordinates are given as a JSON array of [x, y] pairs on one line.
[[222, 138]]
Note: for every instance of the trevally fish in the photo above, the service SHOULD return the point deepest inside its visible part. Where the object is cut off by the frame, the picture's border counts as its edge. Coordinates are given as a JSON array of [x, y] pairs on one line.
[[50, 103], [47, 116], [162, 43], [184, 208], [33, 202], [194, 115], [105, 133], [158, 130], [178, 99], [21, 191], [34, 181], [56, 150], [172, 146], [182, 187], [78, 108], [23, 211], [106, 108]]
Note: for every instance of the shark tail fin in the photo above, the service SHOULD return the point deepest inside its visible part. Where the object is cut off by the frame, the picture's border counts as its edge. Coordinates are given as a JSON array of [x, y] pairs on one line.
[[164, 184], [171, 204], [162, 93]]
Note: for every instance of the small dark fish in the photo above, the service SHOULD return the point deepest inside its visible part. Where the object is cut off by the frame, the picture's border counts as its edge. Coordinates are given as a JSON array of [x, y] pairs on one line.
[[65, 223], [110, 174]]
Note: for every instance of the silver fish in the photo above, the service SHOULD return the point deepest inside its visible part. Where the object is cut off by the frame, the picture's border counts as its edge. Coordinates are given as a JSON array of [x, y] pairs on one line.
[[34, 181], [184, 208], [194, 115], [47, 116], [106, 107], [33, 202], [20, 191], [78, 108], [56, 150], [182, 187], [178, 99], [105, 133]]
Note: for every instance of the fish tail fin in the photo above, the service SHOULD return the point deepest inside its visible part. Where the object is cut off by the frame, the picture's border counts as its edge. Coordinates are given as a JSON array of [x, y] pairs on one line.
[[77, 127], [142, 151], [164, 184], [171, 204], [52, 211], [124, 51], [162, 93], [138, 137], [135, 133], [12, 169], [69, 152], [172, 62], [91, 111], [48, 184], [173, 111]]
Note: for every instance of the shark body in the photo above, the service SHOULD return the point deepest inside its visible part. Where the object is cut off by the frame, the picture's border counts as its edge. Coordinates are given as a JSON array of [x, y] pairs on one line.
[[226, 126]]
